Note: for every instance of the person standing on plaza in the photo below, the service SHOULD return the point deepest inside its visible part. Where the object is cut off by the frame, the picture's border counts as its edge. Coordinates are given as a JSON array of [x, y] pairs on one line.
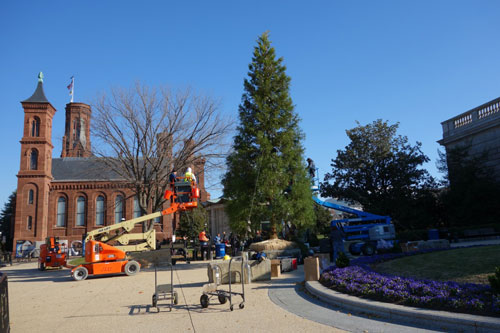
[[336, 242]]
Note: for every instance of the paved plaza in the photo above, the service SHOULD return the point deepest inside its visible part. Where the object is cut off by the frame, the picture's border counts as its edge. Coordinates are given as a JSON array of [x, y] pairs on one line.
[[51, 300]]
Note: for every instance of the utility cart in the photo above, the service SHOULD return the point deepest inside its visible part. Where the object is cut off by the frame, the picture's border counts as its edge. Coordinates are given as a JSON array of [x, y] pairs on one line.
[[164, 292], [212, 289]]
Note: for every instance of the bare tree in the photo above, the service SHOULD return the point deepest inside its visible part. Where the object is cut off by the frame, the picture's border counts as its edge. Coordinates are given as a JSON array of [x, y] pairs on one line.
[[146, 133]]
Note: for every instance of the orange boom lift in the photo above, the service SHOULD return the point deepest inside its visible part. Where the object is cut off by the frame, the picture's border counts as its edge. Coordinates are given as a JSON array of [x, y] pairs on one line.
[[102, 258]]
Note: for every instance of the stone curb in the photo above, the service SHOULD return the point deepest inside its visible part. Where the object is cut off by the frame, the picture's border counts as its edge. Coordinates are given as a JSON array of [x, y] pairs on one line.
[[440, 320]]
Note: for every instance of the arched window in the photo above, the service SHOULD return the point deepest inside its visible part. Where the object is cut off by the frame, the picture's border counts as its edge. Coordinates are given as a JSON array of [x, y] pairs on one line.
[[80, 211], [31, 195], [34, 159], [137, 208], [35, 127], [99, 210], [61, 212], [119, 208], [30, 222]]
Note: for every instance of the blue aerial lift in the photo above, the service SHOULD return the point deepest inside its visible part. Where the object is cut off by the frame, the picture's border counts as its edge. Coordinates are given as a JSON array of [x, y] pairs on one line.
[[364, 231]]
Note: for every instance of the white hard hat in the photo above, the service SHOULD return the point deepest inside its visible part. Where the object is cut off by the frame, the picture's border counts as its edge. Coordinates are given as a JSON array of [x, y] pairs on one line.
[[188, 169]]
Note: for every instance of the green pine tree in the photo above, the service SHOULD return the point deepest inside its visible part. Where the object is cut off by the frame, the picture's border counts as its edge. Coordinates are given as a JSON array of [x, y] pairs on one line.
[[6, 221], [266, 178]]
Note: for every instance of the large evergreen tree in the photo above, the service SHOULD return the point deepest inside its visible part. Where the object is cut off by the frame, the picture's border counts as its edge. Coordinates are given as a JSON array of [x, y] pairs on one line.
[[266, 178]]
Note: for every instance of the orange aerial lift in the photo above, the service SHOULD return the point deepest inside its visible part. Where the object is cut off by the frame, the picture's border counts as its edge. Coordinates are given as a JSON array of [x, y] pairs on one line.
[[51, 254], [102, 258]]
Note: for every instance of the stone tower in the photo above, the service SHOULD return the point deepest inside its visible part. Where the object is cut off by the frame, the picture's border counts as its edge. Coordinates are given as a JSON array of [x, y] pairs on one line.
[[35, 171], [76, 140]]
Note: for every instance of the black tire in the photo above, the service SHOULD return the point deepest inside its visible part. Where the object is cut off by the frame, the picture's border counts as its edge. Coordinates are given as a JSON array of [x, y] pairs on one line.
[[80, 274], [132, 268], [222, 299], [41, 266], [231, 307], [204, 301], [353, 250], [368, 249], [154, 301], [242, 305]]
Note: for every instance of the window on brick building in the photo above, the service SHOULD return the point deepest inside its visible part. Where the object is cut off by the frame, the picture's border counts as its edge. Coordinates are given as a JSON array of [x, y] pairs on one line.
[[34, 159], [30, 222], [137, 208], [119, 208], [157, 219], [80, 211], [61, 212], [99, 210], [31, 195], [35, 127]]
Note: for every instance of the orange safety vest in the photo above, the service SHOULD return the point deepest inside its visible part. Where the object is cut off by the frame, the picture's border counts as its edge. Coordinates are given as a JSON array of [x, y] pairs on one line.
[[202, 237]]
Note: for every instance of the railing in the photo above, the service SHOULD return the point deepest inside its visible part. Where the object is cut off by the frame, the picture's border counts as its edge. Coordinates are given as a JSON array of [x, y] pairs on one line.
[[4, 304], [478, 114]]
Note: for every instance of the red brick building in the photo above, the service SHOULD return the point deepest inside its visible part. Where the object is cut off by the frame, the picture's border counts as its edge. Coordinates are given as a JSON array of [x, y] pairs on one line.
[[76, 193]]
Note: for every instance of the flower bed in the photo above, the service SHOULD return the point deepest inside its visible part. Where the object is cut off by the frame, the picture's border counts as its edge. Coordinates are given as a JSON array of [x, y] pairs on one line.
[[360, 280]]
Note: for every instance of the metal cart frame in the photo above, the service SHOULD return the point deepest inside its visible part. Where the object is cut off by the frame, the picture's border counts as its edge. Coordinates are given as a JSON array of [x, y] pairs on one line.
[[165, 291], [211, 289]]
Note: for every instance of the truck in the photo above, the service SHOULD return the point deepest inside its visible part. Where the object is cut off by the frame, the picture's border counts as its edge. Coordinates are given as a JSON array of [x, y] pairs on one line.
[[106, 248], [363, 233]]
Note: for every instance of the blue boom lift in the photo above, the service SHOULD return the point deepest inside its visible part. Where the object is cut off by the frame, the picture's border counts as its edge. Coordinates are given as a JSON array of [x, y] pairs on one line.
[[364, 231]]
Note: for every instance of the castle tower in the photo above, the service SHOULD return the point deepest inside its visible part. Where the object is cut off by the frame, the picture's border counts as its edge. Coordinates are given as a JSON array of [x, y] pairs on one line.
[[76, 140], [35, 171]]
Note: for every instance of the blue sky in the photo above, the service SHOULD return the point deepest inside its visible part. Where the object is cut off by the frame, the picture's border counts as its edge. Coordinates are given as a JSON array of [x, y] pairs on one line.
[[413, 62]]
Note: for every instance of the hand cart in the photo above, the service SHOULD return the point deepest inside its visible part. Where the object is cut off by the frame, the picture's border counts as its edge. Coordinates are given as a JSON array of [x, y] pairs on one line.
[[164, 291], [212, 289]]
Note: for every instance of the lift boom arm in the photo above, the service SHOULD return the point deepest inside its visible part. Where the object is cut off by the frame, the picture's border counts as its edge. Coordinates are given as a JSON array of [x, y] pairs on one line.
[[122, 230]]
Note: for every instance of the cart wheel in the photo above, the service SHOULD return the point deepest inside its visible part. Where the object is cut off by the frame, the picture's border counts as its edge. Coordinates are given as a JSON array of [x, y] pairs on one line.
[[80, 273], [222, 299], [132, 268], [41, 266], [231, 307], [176, 298], [154, 300], [204, 301], [242, 305]]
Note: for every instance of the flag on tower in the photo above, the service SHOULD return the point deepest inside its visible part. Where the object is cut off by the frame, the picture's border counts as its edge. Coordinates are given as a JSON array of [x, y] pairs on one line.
[[70, 87]]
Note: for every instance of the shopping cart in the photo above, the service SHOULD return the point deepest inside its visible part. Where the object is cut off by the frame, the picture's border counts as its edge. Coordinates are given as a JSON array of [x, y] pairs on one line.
[[212, 289]]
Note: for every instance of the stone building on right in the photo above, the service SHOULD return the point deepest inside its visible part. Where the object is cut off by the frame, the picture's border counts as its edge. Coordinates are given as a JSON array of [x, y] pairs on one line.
[[478, 129]]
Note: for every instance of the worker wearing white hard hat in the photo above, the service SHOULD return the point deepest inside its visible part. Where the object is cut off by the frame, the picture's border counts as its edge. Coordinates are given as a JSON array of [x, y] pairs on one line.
[[189, 176]]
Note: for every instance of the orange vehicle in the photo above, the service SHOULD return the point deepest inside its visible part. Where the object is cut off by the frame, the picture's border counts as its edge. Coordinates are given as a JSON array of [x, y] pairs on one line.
[[51, 254], [102, 258]]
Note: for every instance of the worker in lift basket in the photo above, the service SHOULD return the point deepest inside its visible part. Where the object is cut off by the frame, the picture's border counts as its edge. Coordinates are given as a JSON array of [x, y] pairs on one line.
[[189, 176]]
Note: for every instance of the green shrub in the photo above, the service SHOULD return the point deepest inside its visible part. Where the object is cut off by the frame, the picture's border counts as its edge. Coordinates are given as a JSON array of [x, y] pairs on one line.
[[495, 281], [342, 260]]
